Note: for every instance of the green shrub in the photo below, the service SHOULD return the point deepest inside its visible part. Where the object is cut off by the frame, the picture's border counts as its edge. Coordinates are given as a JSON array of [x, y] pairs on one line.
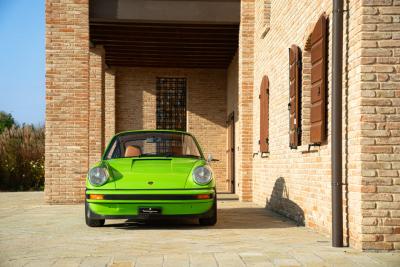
[[22, 158], [6, 121]]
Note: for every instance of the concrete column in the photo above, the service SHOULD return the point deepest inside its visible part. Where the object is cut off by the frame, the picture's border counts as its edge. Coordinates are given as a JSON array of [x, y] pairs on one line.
[[246, 77], [67, 83], [109, 130], [96, 104]]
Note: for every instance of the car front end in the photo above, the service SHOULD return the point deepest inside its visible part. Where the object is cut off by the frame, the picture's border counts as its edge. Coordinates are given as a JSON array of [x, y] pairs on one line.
[[151, 174]]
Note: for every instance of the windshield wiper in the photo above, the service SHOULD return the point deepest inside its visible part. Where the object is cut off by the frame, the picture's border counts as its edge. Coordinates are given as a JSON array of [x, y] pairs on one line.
[[181, 156], [148, 155], [189, 156]]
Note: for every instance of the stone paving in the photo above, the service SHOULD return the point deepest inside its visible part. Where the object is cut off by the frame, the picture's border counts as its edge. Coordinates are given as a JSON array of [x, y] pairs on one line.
[[33, 233]]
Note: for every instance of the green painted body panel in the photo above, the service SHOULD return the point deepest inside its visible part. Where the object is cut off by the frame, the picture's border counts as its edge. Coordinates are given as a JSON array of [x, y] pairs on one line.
[[167, 207], [163, 173], [153, 192], [151, 175]]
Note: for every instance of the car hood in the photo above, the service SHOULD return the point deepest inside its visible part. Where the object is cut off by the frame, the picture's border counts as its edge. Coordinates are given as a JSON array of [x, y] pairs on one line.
[[151, 172]]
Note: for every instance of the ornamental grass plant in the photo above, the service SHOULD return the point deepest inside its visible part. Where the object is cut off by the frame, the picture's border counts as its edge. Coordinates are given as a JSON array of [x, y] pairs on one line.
[[22, 158]]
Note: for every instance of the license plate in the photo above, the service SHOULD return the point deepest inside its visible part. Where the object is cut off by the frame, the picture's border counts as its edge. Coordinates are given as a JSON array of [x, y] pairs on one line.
[[149, 210]]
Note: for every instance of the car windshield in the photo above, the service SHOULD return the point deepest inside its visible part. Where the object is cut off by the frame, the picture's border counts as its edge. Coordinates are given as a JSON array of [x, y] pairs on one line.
[[153, 144]]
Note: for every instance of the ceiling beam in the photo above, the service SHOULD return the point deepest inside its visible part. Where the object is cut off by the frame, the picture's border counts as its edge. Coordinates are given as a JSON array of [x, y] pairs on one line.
[[144, 51], [155, 40], [168, 65], [212, 32], [126, 23], [166, 36], [161, 47], [166, 45], [163, 54], [150, 60]]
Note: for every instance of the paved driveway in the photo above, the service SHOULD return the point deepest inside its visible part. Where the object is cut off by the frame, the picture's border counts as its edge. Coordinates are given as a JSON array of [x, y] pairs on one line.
[[35, 234]]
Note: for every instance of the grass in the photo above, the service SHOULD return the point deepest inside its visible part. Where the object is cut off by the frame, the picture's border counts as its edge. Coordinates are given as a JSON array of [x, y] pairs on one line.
[[22, 158]]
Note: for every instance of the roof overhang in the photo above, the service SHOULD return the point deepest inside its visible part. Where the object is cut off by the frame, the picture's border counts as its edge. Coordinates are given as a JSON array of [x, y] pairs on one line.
[[169, 11], [156, 33]]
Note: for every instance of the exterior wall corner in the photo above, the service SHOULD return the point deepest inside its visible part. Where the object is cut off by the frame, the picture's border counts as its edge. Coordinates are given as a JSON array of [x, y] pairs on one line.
[[67, 100]]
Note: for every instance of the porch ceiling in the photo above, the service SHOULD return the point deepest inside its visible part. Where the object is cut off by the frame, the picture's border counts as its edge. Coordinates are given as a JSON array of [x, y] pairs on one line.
[[183, 45]]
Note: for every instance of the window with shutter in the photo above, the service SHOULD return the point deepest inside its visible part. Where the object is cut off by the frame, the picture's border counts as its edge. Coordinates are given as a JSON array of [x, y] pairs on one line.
[[294, 96], [318, 81], [264, 115]]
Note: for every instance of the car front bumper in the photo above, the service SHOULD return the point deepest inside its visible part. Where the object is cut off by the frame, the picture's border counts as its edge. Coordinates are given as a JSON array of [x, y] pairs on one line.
[[126, 204]]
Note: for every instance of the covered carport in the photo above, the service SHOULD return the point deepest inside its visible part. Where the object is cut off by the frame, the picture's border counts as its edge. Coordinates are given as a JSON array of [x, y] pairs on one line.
[[111, 66], [164, 65]]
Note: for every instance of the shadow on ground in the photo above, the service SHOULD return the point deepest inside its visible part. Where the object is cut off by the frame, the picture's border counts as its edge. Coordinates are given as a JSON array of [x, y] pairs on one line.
[[228, 218], [235, 218]]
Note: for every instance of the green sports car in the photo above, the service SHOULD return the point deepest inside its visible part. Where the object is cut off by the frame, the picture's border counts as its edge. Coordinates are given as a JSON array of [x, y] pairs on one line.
[[151, 174]]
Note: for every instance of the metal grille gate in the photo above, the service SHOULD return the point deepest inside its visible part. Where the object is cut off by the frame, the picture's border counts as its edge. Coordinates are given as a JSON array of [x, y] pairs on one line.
[[171, 103]]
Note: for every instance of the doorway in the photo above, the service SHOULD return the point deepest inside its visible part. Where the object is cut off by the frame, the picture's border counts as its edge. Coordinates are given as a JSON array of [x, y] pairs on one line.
[[231, 153]]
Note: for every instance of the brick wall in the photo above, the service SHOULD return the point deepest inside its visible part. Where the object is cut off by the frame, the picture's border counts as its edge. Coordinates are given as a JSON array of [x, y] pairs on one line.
[[245, 127], [109, 93], [294, 182], [96, 103], [67, 82], [206, 107], [232, 100], [380, 124], [351, 122]]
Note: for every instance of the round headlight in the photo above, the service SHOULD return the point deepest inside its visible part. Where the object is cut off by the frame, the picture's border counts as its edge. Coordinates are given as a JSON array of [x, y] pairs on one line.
[[202, 175], [98, 176]]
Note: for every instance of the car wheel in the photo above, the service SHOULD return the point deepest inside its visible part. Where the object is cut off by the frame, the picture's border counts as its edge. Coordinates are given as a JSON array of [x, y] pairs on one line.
[[211, 220], [92, 222]]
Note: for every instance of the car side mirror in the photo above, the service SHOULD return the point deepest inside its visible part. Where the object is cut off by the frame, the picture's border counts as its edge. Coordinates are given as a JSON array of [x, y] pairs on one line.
[[210, 158]]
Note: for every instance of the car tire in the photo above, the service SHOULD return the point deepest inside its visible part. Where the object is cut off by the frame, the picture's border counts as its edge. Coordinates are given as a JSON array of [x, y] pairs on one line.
[[92, 222], [210, 221]]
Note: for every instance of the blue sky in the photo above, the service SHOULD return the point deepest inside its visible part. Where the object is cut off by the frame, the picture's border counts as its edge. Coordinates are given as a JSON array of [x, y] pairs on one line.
[[22, 59]]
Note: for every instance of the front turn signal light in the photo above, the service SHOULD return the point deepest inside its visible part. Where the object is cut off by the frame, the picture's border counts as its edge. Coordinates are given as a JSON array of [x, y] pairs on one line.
[[96, 197], [204, 196]]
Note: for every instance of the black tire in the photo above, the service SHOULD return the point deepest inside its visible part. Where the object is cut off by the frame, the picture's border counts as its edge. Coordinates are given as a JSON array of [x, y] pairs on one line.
[[210, 221], [92, 222]]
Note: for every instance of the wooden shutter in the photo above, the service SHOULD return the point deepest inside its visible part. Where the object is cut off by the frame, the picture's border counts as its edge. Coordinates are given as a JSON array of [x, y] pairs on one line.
[[294, 96], [318, 81], [264, 115]]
